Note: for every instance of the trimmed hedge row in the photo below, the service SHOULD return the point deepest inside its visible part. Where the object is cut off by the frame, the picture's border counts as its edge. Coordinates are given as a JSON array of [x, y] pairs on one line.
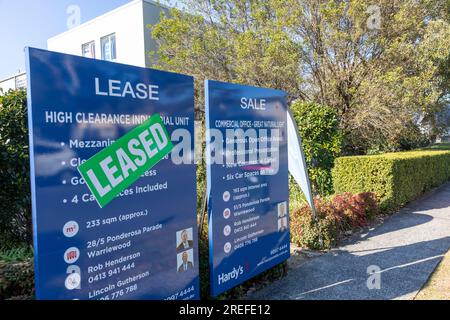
[[396, 178]]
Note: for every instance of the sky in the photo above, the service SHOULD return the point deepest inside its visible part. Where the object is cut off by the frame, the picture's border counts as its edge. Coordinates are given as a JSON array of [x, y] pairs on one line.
[[31, 22]]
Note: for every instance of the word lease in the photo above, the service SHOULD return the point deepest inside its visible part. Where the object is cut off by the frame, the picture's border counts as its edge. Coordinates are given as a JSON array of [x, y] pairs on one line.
[[116, 167]]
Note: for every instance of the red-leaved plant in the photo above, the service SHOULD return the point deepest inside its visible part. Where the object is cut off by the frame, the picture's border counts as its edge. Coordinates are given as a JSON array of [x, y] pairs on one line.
[[345, 212]]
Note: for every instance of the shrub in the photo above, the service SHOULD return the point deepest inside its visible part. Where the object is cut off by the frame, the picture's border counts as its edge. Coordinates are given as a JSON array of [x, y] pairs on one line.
[[16, 273], [318, 128], [345, 212], [396, 178], [15, 203], [304, 230], [16, 279], [355, 210], [18, 254]]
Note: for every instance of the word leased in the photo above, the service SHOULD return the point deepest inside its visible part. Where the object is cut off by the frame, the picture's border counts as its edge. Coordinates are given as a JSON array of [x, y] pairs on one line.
[[116, 167]]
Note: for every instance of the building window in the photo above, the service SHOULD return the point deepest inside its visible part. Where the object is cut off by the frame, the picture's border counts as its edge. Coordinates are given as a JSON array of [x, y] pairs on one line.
[[109, 47], [88, 49]]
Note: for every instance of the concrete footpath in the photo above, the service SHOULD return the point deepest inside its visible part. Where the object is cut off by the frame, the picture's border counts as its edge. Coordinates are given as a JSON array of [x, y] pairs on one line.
[[390, 261]]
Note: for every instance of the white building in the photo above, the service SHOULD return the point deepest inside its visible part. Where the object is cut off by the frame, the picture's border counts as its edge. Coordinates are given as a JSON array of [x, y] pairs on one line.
[[16, 81], [445, 118], [121, 35]]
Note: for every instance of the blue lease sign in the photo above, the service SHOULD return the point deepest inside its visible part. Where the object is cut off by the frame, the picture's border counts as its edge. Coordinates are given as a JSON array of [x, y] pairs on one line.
[[143, 244], [247, 172]]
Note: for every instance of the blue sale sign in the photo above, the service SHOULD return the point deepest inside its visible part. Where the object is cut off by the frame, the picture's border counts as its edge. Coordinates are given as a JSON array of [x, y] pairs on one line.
[[143, 244], [247, 171]]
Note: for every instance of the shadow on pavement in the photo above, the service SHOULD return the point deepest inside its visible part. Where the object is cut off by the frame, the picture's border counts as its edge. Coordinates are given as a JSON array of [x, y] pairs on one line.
[[399, 255], [341, 275]]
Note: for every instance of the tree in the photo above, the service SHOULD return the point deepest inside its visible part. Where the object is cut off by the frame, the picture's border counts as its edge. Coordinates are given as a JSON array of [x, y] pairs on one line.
[[381, 65], [234, 41], [378, 63]]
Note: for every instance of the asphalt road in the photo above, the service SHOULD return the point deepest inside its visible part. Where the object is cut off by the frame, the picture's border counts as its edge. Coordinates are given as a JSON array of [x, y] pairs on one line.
[[395, 258]]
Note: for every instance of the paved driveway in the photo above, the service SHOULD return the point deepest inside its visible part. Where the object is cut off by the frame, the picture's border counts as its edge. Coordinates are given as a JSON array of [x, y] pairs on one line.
[[395, 258]]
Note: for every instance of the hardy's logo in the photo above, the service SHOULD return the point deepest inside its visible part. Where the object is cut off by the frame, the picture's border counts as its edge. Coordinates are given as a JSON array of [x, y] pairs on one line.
[[235, 274]]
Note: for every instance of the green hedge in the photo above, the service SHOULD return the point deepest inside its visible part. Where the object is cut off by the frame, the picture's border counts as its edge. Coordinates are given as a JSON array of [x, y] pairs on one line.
[[396, 178], [318, 127]]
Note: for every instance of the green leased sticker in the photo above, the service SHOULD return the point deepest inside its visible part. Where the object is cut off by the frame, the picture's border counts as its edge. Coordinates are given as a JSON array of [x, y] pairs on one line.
[[116, 167]]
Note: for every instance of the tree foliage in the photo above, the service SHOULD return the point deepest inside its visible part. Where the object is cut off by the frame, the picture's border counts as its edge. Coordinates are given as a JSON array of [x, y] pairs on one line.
[[234, 41], [382, 65], [15, 200]]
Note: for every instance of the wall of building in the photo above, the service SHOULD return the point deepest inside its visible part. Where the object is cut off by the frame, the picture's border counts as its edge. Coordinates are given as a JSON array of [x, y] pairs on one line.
[[126, 22], [15, 82], [152, 13]]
